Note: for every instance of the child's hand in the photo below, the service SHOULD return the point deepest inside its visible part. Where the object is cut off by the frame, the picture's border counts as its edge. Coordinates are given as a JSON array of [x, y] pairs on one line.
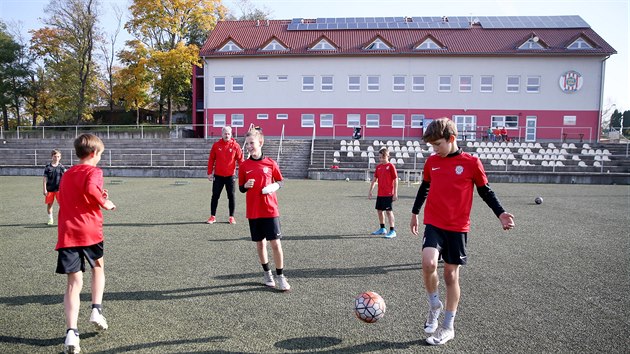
[[395, 197], [105, 194], [109, 205], [370, 194], [250, 183], [413, 224], [507, 221]]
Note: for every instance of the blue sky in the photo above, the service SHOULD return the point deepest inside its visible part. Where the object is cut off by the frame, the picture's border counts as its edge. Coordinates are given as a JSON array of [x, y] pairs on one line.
[[609, 18]]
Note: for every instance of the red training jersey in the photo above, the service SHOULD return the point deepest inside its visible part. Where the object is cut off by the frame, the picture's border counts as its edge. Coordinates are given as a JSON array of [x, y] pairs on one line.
[[80, 201], [385, 174], [223, 157], [453, 180], [265, 172]]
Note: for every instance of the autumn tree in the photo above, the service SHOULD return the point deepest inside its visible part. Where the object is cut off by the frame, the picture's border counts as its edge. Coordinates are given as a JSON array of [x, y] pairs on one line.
[[133, 80], [172, 30]]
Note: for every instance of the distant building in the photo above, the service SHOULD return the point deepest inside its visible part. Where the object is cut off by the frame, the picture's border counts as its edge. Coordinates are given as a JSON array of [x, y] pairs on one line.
[[541, 77]]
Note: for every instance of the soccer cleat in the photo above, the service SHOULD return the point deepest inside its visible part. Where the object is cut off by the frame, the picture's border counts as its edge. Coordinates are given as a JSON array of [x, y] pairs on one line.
[[432, 320], [282, 283], [211, 220], [98, 320], [269, 279], [390, 234], [50, 222], [441, 336], [232, 220], [71, 345], [380, 231]]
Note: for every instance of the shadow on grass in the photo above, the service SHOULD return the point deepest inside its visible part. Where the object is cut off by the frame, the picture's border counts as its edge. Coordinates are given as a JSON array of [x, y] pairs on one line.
[[36, 342], [31, 226], [153, 224], [301, 237], [144, 295], [161, 344], [314, 343]]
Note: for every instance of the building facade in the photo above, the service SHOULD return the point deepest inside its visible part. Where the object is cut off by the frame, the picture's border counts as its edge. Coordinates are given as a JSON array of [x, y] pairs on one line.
[[540, 77]]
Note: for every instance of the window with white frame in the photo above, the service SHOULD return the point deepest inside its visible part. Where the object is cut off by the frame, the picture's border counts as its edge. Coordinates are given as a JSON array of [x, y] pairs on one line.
[[230, 46], [326, 120], [533, 84], [399, 83], [444, 83], [218, 120], [263, 77], [237, 84], [373, 83], [219, 84], [372, 120], [513, 84], [428, 44], [378, 44], [398, 120], [323, 44], [417, 83], [262, 116], [282, 116], [465, 83], [282, 77], [354, 83], [486, 84], [274, 45], [417, 120], [308, 83], [580, 43], [531, 44], [569, 120], [238, 119], [353, 120], [327, 83], [308, 120], [509, 122]]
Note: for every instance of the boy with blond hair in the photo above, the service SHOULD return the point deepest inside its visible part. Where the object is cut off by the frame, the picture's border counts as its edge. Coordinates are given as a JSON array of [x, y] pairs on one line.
[[80, 235], [387, 178]]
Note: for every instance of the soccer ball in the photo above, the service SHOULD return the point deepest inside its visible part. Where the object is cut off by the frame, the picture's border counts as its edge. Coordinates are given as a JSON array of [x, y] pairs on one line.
[[369, 307], [347, 179], [538, 200]]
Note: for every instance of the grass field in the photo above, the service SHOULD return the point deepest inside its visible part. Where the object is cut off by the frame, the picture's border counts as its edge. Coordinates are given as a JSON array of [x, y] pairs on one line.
[[558, 283]]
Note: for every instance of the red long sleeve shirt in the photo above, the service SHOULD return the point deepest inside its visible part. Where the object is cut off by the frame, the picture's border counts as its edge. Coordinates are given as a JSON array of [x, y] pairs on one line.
[[223, 158]]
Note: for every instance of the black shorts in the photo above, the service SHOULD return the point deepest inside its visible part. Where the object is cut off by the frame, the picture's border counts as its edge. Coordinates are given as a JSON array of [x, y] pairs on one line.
[[265, 228], [384, 203], [72, 260], [452, 245]]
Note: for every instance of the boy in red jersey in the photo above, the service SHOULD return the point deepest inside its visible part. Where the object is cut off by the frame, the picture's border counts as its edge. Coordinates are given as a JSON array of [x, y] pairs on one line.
[[387, 178], [451, 175], [52, 177], [260, 177], [224, 156], [80, 234]]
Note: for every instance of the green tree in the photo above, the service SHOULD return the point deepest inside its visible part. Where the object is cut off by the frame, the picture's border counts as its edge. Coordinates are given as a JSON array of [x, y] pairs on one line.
[[133, 80], [615, 119], [13, 76]]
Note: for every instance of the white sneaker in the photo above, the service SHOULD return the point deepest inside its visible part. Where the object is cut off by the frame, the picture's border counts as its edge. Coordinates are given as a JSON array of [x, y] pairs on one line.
[[71, 345], [283, 284], [432, 320], [98, 320], [441, 336], [269, 279]]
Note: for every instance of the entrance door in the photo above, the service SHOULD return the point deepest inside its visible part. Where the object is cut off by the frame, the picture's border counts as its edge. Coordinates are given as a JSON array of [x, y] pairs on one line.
[[467, 127], [530, 128]]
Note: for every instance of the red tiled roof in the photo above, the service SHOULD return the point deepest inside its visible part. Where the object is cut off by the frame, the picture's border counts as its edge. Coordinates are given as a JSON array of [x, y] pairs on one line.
[[469, 41]]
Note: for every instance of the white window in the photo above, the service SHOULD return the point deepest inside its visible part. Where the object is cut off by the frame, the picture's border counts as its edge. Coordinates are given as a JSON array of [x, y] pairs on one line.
[[531, 44], [282, 116], [399, 83], [580, 43], [372, 120], [238, 119], [416, 120], [274, 45], [308, 120], [354, 83], [378, 44], [263, 77], [218, 120], [326, 120], [373, 83], [444, 84], [262, 116], [327, 83], [353, 120], [237, 84], [417, 84], [569, 120], [323, 45], [509, 122], [533, 84], [219, 84], [398, 121], [308, 83], [513, 84], [282, 77], [428, 44], [230, 47], [486, 84], [465, 83]]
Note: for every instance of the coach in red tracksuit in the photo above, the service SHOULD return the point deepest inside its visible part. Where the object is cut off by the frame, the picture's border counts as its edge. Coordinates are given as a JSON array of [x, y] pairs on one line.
[[224, 156]]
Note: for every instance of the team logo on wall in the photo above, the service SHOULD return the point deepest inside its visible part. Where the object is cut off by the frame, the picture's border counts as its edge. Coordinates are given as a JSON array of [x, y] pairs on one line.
[[571, 81]]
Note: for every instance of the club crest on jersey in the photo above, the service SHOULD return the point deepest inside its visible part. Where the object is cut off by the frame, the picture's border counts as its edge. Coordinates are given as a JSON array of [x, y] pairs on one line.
[[459, 169], [230, 149], [265, 170]]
